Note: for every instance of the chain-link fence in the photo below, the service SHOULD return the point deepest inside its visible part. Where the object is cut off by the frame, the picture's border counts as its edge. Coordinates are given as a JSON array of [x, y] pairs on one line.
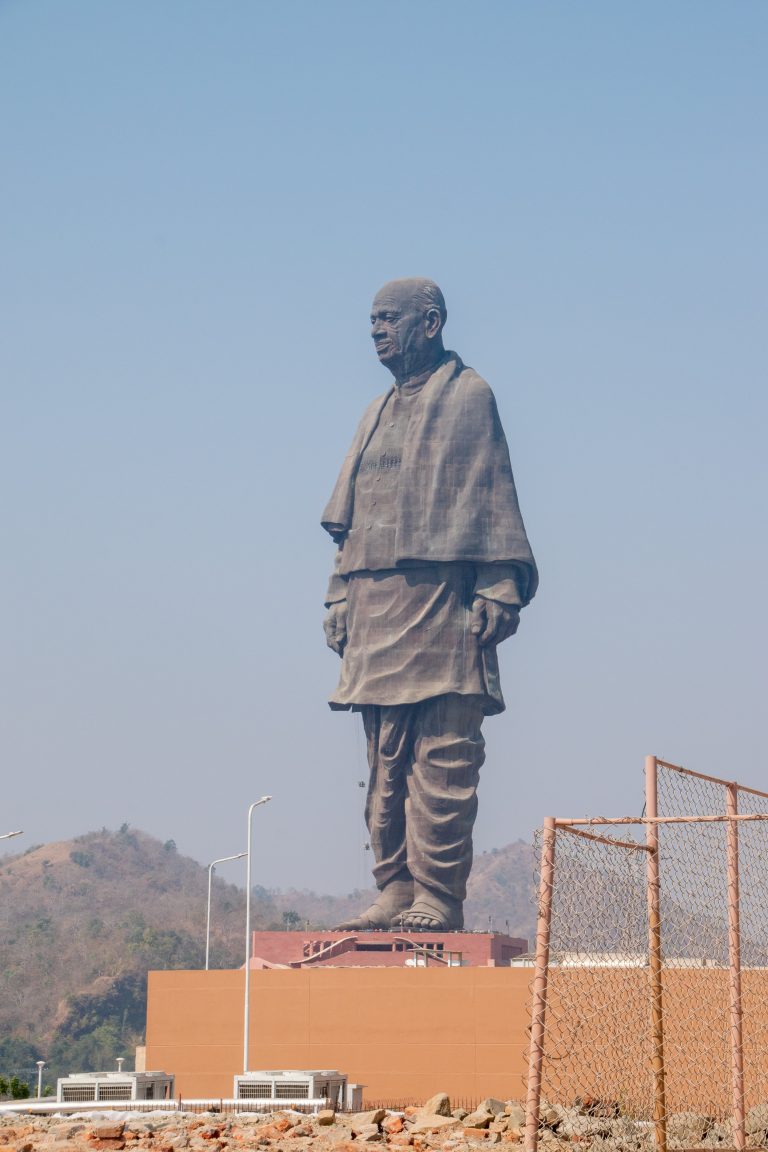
[[649, 1017]]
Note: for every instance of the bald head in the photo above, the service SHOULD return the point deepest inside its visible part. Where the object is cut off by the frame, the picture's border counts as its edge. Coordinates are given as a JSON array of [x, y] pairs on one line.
[[407, 319]]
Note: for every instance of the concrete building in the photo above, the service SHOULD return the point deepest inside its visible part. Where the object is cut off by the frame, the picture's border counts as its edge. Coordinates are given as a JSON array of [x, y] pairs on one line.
[[385, 949]]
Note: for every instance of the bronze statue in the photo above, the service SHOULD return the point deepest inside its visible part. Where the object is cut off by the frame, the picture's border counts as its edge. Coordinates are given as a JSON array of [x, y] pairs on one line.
[[432, 568]]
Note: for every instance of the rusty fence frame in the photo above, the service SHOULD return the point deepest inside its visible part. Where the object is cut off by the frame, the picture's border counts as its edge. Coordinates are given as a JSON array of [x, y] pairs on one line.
[[652, 822]]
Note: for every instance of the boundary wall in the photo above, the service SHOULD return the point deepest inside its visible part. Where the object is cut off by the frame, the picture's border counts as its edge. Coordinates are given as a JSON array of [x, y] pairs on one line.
[[404, 1033]]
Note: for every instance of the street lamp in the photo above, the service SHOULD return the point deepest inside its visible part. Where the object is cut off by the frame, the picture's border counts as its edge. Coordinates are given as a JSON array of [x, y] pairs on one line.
[[40, 1066], [211, 867], [256, 803]]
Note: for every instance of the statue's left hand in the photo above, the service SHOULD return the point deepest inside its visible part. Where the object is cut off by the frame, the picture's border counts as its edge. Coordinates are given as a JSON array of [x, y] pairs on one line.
[[493, 622], [335, 627]]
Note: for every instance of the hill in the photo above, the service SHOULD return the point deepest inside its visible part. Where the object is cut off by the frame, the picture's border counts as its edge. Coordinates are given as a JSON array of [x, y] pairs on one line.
[[82, 921]]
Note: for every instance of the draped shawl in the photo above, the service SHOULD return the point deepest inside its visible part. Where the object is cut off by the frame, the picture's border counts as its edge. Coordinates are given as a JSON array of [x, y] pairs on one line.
[[456, 497]]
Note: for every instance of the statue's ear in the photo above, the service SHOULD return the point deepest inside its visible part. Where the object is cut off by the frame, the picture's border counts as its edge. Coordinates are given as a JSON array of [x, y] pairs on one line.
[[433, 322]]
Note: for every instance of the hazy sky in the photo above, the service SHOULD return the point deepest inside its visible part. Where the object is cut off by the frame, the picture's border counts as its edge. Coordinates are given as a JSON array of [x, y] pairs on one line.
[[197, 203]]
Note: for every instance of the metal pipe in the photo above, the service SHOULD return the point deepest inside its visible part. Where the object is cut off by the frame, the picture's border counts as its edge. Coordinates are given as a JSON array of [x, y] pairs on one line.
[[8, 835], [211, 867], [654, 954], [734, 968], [540, 980], [599, 821], [611, 840], [247, 1012], [711, 779]]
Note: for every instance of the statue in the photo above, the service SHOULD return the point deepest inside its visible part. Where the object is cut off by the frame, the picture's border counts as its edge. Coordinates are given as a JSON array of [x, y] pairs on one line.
[[432, 568]]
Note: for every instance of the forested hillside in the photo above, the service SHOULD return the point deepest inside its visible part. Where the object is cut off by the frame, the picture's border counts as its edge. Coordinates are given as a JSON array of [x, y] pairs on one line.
[[82, 921]]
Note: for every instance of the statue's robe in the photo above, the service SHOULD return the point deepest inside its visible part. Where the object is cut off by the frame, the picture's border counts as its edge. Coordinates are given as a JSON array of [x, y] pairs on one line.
[[426, 516]]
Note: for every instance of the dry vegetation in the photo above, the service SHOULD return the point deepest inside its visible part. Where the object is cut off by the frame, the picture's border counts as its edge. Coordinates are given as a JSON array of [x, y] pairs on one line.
[[82, 921]]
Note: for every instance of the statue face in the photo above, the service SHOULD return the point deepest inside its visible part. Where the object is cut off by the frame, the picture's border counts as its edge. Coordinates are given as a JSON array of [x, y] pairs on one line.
[[399, 328]]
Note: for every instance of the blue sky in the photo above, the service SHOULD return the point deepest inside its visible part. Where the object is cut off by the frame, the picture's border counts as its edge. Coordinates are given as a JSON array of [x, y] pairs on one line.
[[198, 202]]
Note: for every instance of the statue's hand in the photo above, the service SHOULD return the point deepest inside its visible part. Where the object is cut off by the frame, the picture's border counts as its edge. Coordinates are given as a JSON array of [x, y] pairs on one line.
[[493, 622], [335, 627]]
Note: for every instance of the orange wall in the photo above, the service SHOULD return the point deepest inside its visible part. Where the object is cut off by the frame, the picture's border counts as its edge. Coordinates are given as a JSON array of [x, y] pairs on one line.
[[403, 1032]]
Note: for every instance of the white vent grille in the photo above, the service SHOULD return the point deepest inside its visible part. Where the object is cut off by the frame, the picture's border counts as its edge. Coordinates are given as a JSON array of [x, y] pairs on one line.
[[292, 1090], [114, 1092], [255, 1090], [78, 1092]]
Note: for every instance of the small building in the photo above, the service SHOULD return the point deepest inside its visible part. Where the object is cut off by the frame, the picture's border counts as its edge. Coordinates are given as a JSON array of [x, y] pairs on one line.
[[298, 1087], [83, 1087], [385, 949]]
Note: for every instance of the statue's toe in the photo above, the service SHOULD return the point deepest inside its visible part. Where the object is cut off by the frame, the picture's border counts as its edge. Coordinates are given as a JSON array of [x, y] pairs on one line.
[[423, 917]]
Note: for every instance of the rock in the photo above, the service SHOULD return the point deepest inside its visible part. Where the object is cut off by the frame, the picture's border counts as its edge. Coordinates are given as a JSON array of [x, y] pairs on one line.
[[687, 1129], [362, 1119], [594, 1106], [477, 1119], [272, 1131], [96, 1145], [326, 1116], [498, 1124], [549, 1115], [492, 1105], [393, 1124], [459, 1113], [516, 1114], [720, 1135], [438, 1105], [401, 1139], [283, 1123], [424, 1123], [107, 1132], [757, 1120], [513, 1135], [368, 1133], [575, 1126]]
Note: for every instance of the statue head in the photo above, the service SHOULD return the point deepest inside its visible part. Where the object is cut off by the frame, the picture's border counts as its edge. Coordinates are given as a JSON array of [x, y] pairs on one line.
[[407, 320]]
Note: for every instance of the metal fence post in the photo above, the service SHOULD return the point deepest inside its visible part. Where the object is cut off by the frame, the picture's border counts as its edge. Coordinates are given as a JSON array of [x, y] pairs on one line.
[[540, 980], [734, 966], [654, 953]]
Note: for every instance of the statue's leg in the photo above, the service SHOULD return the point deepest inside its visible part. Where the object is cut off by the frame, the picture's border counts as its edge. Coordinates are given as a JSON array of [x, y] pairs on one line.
[[389, 736], [440, 809]]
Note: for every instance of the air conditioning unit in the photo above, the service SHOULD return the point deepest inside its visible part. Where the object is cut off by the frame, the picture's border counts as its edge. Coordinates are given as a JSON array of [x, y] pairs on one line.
[[86, 1087], [289, 1087]]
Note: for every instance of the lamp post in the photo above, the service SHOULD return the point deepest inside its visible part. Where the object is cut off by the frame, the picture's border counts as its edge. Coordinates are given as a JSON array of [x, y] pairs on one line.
[[247, 1014], [40, 1066], [211, 867]]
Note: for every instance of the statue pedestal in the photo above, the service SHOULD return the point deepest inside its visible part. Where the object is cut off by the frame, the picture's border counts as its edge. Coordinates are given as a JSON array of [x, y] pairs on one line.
[[319, 949]]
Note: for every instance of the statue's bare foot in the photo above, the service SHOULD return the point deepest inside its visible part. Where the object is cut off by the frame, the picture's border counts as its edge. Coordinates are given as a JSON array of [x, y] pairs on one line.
[[425, 917], [390, 903], [372, 919]]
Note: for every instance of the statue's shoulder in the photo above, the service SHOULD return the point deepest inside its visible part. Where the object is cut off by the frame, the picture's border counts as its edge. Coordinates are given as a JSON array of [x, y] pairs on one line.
[[376, 404], [469, 382], [372, 410]]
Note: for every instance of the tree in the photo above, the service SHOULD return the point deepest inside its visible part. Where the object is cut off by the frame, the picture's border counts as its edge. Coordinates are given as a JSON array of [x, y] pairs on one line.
[[19, 1090]]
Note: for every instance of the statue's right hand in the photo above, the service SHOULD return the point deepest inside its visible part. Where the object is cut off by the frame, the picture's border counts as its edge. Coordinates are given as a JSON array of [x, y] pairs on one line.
[[335, 627]]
